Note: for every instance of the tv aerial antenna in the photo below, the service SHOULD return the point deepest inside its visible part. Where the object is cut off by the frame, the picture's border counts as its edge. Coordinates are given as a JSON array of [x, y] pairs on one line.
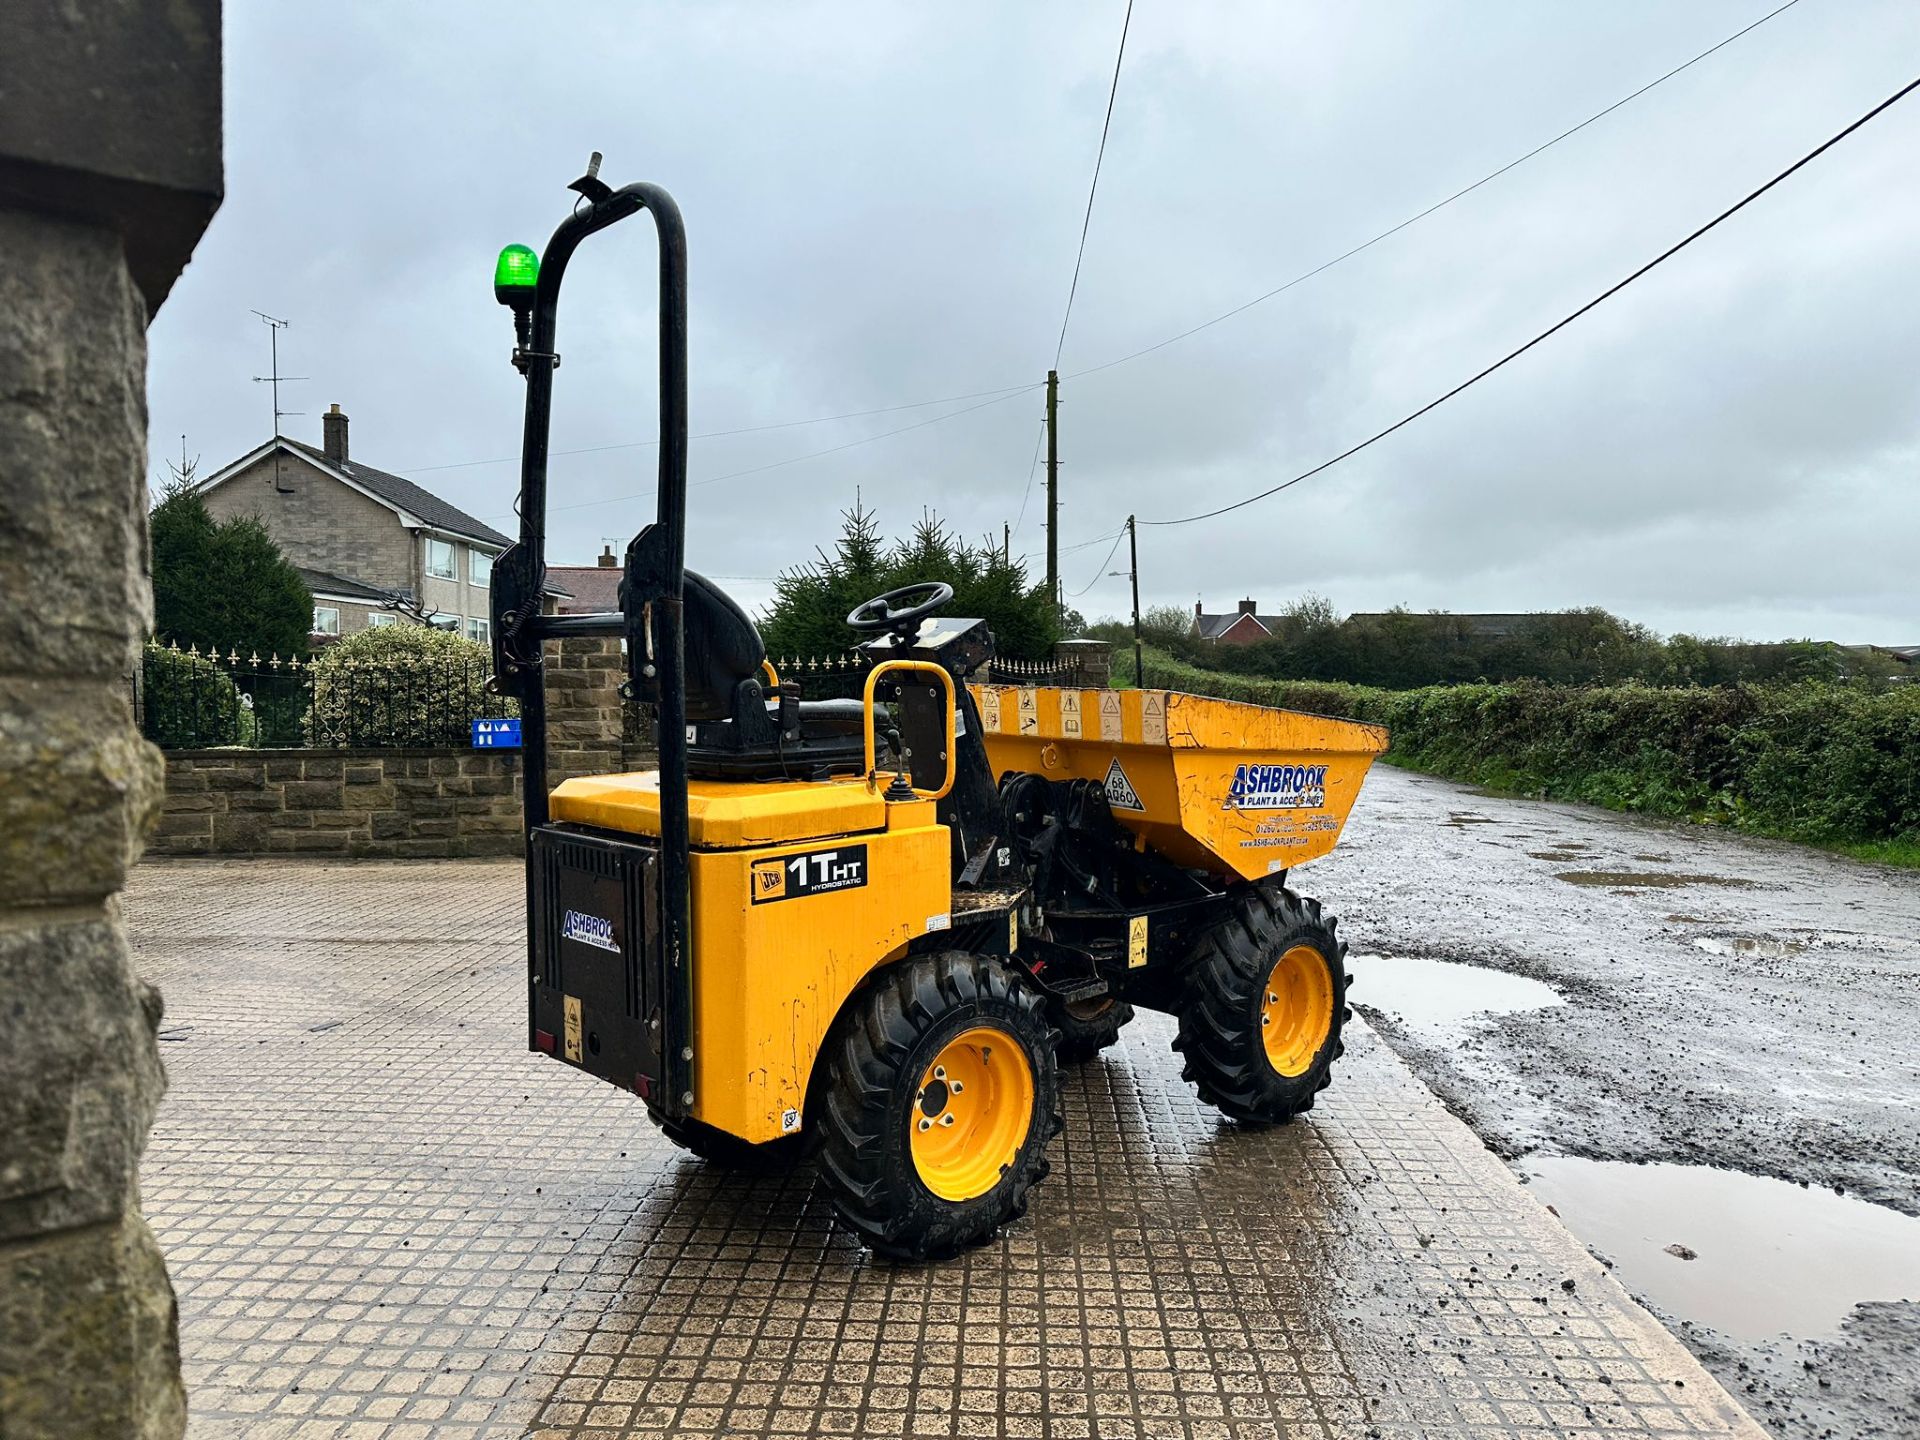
[[274, 327]]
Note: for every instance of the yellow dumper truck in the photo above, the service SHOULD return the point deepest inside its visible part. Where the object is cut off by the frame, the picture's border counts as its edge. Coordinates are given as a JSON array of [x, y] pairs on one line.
[[870, 931]]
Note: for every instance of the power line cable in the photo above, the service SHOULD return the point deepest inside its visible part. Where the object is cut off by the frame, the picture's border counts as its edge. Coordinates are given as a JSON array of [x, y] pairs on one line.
[[1094, 188], [1118, 536], [1158, 345], [1438, 205], [1032, 469], [1559, 325]]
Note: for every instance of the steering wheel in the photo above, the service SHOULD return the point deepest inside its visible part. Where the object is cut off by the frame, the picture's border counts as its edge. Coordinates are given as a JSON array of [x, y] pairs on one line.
[[889, 612]]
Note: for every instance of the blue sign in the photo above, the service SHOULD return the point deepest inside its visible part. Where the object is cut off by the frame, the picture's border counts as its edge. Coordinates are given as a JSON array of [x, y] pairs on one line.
[[496, 734]]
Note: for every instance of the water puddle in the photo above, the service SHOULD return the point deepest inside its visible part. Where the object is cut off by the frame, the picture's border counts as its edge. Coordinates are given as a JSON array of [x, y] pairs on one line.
[[1648, 879], [1459, 818], [1752, 1257], [1760, 947], [1441, 995]]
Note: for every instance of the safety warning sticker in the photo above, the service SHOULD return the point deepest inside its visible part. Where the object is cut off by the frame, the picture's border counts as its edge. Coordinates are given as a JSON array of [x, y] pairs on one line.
[[1070, 712], [1120, 792], [1109, 716], [1153, 717]]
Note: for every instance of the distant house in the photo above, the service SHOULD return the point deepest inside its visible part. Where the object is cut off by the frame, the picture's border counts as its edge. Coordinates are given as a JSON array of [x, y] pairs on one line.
[[375, 548], [1242, 626], [591, 589]]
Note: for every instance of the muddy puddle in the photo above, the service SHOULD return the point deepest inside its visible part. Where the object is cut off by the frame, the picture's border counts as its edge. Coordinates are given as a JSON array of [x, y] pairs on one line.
[[1761, 947], [1441, 995], [1648, 879], [1753, 1258]]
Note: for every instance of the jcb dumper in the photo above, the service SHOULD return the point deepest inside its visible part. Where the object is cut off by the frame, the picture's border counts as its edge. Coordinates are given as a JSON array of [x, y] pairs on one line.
[[868, 932]]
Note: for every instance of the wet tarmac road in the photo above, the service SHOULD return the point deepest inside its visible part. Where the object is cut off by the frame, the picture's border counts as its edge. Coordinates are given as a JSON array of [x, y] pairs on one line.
[[1715, 1001], [386, 1221]]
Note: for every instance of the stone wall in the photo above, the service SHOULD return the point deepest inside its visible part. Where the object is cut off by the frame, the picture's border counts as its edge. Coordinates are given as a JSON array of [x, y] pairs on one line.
[[385, 804], [392, 804], [584, 715], [109, 171]]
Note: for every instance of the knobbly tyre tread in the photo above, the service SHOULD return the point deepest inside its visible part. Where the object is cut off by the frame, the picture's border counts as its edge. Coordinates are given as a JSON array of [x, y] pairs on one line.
[[1080, 1038], [1219, 1030], [874, 1058], [730, 1152]]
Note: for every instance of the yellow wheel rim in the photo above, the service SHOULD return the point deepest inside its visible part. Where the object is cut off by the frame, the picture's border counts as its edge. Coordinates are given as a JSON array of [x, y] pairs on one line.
[[971, 1113], [1296, 1010]]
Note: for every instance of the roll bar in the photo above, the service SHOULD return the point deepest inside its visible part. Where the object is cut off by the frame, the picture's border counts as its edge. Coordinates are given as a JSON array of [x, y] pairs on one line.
[[651, 588]]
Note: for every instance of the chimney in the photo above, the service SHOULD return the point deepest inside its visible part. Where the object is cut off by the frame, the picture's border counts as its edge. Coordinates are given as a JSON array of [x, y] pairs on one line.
[[1196, 612], [607, 560], [1247, 607], [333, 426]]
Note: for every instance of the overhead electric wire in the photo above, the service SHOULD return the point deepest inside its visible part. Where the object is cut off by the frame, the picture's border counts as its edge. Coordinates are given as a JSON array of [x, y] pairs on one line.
[[1558, 325], [1093, 189], [1118, 535], [1158, 345], [1436, 206], [1032, 470]]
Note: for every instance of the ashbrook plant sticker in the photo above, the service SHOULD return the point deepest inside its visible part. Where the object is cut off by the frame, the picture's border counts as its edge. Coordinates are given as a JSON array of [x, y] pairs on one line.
[[1277, 787]]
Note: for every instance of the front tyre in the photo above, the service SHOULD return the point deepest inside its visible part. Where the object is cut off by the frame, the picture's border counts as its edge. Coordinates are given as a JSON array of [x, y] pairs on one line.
[[1265, 997], [940, 1094]]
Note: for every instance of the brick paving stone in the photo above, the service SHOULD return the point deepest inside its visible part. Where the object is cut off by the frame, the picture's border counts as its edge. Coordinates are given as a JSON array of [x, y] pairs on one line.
[[386, 1219]]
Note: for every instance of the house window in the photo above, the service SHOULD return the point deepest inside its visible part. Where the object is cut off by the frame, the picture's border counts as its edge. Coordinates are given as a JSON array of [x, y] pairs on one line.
[[326, 619], [479, 567], [380, 619], [477, 630], [440, 559]]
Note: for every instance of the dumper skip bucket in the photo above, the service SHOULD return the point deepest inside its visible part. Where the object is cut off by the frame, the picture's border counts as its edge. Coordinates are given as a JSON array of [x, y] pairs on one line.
[[1235, 789]]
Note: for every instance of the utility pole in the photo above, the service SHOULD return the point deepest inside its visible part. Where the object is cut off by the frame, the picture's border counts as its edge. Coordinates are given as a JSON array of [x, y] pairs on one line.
[[1006, 543], [1053, 491], [1133, 556]]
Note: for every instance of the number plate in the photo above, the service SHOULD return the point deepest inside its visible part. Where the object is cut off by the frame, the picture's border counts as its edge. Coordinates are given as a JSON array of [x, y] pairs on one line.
[[791, 877]]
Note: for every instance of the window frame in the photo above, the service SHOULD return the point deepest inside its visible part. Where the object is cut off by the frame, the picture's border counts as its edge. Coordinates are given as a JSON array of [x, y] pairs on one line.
[[453, 559], [381, 619], [476, 629], [480, 566], [318, 628]]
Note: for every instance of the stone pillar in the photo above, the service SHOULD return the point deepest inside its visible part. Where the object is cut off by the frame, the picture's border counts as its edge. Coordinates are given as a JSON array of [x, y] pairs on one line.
[[109, 171], [584, 712]]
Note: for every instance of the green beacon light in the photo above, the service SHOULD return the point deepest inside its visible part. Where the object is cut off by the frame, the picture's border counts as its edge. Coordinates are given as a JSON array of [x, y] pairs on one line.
[[514, 276]]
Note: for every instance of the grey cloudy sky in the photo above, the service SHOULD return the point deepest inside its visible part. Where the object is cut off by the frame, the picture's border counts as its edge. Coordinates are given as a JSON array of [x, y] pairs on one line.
[[883, 204]]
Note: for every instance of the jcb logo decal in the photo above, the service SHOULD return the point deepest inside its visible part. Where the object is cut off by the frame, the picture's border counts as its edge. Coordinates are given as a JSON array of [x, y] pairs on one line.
[[791, 877]]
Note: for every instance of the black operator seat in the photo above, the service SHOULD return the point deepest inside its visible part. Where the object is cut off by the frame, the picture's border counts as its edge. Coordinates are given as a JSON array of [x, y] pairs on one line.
[[724, 648]]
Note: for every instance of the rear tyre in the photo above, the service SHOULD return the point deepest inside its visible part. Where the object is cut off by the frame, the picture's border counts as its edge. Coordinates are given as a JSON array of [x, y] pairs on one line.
[[1086, 1027], [730, 1152], [939, 1096], [1265, 999]]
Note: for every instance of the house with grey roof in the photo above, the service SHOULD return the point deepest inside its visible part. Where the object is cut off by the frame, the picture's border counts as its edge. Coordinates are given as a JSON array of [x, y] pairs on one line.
[[1244, 625], [375, 548]]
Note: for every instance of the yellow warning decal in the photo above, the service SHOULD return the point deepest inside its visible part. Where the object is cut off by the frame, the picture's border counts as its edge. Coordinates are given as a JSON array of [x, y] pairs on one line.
[[1136, 942], [990, 710], [1029, 712], [1109, 715], [572, 1007], [1153, 718], [1013, 931], [1070, 713]]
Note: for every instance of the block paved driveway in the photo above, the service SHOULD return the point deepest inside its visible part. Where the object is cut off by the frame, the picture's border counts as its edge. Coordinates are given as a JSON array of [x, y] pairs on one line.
[[386, 1219]]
